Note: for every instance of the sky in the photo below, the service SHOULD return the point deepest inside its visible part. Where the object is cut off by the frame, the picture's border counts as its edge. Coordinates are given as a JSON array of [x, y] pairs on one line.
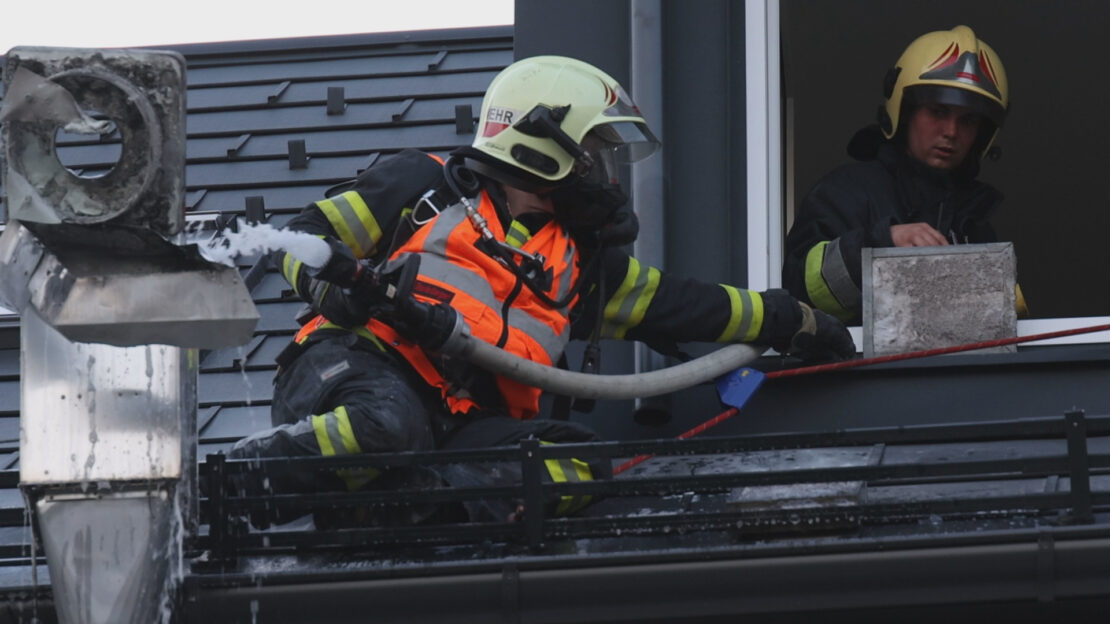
[[131, 23]]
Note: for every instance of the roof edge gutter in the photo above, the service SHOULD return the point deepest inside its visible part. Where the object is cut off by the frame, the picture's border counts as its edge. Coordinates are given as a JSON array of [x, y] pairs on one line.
[[1036, 570]]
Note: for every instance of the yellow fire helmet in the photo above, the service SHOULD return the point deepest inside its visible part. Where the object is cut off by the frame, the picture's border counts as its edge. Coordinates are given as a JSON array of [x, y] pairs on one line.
[[949, 67], [545, 117]]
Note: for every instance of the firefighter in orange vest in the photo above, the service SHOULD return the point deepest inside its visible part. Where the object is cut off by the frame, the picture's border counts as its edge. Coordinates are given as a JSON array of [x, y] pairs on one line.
[[521, 235]]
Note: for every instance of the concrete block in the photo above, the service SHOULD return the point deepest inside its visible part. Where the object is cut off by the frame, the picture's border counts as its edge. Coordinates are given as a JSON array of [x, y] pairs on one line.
[[917, 298]]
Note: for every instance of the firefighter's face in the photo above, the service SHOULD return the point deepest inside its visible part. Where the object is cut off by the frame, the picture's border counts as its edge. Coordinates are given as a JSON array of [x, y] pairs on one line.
[[521, 202], [942, 135]]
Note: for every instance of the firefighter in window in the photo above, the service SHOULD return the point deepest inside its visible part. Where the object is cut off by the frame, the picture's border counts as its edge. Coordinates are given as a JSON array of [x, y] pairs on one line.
[[915, 183], [520, 235]]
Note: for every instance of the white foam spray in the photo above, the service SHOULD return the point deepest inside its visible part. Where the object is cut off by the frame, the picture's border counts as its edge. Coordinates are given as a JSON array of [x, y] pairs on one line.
[[262, 238]]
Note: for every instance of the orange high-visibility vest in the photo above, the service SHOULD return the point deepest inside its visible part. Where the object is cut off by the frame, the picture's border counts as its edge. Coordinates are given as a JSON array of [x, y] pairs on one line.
[[455, 271]]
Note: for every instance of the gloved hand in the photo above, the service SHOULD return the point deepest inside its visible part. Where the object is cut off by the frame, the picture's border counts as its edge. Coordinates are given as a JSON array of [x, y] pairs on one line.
[[822, 337], [341, 268], [343, 306], [334, 289], [587, 206], [794, 328], [427, 325], [622, 229]]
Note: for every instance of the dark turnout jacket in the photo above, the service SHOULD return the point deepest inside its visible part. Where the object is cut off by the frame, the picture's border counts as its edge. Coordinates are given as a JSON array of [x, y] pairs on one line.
[[854, 206], [620, 299]]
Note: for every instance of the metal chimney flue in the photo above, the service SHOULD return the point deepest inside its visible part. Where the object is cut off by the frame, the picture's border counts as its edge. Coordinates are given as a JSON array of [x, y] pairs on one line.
[[113, 309]]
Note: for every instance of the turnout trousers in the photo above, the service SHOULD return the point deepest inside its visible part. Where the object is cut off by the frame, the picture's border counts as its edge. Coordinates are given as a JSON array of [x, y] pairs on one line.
[[343, 395]]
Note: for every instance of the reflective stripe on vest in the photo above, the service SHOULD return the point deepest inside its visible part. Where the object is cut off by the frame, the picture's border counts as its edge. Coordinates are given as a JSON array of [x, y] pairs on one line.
[[477, 285]]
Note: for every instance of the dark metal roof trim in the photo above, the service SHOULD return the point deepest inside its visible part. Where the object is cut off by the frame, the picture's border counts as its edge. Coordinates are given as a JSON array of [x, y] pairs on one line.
[[419, 40]]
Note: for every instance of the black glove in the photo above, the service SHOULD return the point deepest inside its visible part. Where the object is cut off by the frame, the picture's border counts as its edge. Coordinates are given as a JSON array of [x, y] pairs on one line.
[[587, 206], [822, 338], [794, 328], [343, 306], [427, 325], [341, 268], [335, 291], [622, 229]]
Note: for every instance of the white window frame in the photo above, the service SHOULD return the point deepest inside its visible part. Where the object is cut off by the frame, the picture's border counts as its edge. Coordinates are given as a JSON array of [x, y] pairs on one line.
[[766, 230]]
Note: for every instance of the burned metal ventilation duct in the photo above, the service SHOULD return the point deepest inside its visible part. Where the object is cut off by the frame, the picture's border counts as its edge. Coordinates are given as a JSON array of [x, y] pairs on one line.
[[113, 308], [111, 240]]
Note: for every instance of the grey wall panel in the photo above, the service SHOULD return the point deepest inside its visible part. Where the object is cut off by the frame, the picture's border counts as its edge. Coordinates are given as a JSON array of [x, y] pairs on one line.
[[594, 32], [705, 192], [705, 157]]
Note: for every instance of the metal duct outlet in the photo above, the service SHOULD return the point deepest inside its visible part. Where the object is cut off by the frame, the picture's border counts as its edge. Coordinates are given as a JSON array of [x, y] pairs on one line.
[[100, 257], [141, 93]]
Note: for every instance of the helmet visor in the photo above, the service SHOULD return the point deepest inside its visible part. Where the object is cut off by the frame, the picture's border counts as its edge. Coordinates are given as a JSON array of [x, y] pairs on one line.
[[940, 94], [628, 141]]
